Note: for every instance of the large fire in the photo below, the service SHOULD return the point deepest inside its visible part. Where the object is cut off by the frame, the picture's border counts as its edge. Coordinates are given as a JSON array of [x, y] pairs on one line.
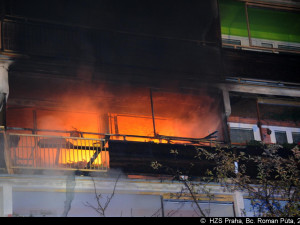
[[122, 113]]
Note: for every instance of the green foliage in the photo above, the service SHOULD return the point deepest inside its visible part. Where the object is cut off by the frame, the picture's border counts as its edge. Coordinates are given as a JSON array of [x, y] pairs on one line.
[[274, 190], [189, 188], [255, 143], [277, 180]]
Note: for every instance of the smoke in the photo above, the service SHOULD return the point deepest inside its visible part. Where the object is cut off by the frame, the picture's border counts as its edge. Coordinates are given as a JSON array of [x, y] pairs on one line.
[[117, 109], [125, 109], [190, 115]]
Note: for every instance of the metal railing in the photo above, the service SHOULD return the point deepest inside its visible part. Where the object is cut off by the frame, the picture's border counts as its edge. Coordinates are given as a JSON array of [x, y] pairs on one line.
[[30, 151], [266, 49], [204, 141]]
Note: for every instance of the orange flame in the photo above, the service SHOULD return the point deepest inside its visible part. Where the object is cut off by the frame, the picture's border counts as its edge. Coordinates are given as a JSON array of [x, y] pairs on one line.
[[128, 112]]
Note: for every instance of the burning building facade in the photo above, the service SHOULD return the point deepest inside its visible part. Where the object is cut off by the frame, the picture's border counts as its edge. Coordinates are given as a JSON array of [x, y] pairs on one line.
[[121, 85]]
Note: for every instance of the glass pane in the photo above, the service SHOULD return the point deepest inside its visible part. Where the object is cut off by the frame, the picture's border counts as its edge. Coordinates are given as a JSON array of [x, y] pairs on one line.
[[274, 24], [239, 135], [270, 24], [51, 204], [280, 137], [182, 208], [233, 19], [253, 208], [296, 137]]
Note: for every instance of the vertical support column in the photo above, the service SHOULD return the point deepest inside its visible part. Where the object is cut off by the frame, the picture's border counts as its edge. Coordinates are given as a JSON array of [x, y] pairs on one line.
[[6, 200], [4, 64], [237, 196], [227, 112], [4, 86], [226, 100], [4, 91], [238, 203], [259, 121]]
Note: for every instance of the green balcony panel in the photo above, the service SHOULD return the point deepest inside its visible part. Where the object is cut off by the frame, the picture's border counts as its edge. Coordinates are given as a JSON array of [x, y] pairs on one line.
[[277, 25]]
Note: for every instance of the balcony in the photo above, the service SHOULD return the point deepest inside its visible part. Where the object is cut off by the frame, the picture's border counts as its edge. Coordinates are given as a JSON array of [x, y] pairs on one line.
[[44, 152], [36, 153]]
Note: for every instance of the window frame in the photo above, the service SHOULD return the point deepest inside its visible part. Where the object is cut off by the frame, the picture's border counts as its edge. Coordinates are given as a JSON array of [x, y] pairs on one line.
[[287, 130], [254, 127]]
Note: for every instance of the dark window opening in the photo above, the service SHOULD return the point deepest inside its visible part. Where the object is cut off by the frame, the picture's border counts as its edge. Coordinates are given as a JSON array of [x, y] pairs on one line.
[[281, 137], [231, 43], [296, 137], [241, 135], [267, 45]]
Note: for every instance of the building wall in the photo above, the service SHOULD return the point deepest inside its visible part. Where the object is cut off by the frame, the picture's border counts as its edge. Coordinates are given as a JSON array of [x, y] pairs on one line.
[[33, 195]]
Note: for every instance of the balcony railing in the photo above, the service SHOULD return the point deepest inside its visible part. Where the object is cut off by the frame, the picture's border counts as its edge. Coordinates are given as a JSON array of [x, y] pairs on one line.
[[43, 152]]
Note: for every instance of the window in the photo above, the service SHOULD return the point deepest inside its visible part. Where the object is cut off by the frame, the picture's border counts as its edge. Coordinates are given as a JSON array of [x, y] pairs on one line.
[[296, 137], [281, 137], [289, 47], [186, 208], [51, 204], [255, 207], [266, 45], [241, 135], [230, 43]]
